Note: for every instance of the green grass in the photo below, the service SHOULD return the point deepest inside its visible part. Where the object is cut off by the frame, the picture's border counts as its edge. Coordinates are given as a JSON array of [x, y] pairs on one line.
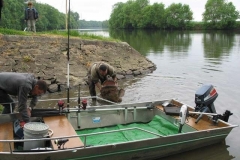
[[11, 32], [75, 33], [72, 33]]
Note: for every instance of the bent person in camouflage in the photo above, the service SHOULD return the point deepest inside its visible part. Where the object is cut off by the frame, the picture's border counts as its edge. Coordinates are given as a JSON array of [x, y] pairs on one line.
[[98, 73]]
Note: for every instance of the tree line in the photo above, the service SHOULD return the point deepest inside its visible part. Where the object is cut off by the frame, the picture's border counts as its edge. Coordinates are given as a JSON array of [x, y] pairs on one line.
[[49, 17], [219, 14]]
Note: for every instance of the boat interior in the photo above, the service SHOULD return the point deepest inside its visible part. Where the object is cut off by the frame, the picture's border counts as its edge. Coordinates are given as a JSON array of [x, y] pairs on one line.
[[65, 125]]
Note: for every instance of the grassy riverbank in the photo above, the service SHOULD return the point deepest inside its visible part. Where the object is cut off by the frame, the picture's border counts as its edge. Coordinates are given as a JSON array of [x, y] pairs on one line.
[[73, 33], [201, 26]]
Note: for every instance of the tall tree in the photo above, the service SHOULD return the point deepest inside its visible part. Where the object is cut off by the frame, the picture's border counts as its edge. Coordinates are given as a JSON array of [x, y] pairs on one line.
[[137, 9], [219, 14], [117, 16], [153, 16], [178, 16], [158, 17]]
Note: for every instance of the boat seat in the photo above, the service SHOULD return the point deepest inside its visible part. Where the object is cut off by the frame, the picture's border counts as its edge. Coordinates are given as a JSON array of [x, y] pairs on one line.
[[62, 127], [6, 133]]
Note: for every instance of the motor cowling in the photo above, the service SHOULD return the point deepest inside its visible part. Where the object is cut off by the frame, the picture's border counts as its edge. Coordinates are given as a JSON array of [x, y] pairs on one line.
[[204, 97], [204, 100]]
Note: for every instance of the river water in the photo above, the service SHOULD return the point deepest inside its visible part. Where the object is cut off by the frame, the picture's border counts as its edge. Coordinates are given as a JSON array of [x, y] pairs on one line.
[[185, 61]]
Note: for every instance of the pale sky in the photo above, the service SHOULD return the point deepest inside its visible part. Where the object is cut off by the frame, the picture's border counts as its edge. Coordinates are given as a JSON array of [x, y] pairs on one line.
[[100, 10]]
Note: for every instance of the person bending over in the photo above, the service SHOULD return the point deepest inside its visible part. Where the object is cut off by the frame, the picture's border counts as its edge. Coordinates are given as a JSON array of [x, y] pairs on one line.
[[21, 85], [97, 74]]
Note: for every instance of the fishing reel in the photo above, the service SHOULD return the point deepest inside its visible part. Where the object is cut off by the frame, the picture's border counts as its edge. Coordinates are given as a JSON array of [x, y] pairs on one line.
[[84, 104], [60, 105], [61, 142]]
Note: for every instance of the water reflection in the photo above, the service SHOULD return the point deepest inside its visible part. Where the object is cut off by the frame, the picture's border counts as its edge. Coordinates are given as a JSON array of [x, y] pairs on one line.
[[95, 31], [135, 38], [178, 43], [155, 41], [217, 45]]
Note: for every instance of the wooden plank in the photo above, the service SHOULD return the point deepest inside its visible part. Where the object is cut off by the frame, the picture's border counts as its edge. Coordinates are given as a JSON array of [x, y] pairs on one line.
[[203, 124], [6, 133], [62, 127]]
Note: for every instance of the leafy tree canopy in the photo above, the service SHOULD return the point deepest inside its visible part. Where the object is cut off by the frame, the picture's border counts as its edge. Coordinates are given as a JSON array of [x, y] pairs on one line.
[[140, 14], [219, 14]]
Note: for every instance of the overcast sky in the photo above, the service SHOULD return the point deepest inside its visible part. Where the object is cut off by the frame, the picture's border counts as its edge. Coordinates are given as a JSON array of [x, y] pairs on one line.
[[100, 10]]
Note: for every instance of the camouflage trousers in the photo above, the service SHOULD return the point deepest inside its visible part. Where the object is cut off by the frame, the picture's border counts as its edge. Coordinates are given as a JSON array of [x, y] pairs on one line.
[[92, 88]]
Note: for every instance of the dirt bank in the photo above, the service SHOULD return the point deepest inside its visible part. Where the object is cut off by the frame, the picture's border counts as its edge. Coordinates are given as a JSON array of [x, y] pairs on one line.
[[46, 57]]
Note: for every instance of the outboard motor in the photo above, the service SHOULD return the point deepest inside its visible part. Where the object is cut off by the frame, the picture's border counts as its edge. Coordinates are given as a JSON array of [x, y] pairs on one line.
[[204, 98]]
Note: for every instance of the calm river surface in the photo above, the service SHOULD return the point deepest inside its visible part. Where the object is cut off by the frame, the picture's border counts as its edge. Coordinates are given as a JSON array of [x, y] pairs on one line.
[[185, 61]]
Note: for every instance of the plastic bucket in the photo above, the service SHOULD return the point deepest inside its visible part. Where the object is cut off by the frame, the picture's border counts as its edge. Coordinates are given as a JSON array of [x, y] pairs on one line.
[[34, 130]]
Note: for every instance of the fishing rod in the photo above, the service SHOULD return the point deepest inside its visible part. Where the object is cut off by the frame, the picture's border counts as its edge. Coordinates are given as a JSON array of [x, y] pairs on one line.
[[68, 58]]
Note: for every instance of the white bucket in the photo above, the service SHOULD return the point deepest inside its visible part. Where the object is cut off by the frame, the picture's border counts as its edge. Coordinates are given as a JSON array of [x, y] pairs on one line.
[[34, 130]]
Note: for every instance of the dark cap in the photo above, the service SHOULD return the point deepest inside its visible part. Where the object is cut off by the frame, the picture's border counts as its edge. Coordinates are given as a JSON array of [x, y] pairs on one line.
[[103, 67]]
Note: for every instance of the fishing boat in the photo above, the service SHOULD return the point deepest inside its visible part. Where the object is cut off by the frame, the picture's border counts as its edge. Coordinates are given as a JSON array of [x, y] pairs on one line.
[[144, 130]]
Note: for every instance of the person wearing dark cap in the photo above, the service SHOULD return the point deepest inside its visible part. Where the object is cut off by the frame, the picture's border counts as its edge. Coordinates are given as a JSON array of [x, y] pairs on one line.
[[21, 85], [97, 74]]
